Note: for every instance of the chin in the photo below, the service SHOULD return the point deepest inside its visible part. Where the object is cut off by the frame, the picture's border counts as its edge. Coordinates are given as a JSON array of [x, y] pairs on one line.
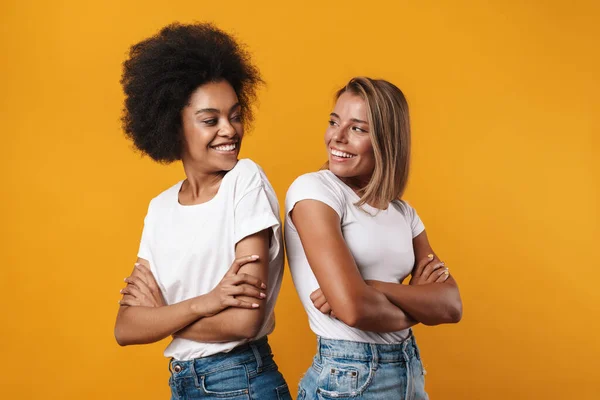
[[341, 171], [228, 165]]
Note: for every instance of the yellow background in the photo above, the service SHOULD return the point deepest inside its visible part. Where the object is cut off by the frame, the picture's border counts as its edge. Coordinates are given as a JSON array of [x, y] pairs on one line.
[[505, 176]]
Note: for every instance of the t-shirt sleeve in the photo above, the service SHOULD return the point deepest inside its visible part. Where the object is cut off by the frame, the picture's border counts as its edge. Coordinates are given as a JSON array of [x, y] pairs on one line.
[[254, 213], [145, 251], [416, 225], [313, 187]]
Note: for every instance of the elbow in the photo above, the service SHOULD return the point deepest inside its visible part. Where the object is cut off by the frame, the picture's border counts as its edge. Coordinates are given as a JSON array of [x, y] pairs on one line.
[[121, 337], [124, 336], [250, 326], [352, 315], [455, 312], [452, 314]]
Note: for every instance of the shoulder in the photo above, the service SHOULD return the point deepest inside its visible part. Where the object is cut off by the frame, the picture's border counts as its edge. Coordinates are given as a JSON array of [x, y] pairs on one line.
[[410, 214], [316, 186], [314, 181], [164, 200], [406, 208], [247, 175]]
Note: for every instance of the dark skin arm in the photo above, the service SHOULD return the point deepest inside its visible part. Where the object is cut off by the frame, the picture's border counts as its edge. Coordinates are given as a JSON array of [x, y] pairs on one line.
[[235, 324], [242, 313], [144, 317]]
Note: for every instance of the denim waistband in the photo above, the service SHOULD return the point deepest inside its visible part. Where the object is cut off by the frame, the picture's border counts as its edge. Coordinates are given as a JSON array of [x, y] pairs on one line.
[[256, 351], [403, 351]]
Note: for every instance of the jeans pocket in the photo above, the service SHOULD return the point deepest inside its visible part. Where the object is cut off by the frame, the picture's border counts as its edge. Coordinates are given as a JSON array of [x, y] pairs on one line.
[[301, 394], [344, 378], [226, 383], [283, 392]]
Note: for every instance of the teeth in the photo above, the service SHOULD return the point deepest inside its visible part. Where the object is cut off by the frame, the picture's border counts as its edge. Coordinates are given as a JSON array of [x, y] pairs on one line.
[[338, 153], [226, 147]]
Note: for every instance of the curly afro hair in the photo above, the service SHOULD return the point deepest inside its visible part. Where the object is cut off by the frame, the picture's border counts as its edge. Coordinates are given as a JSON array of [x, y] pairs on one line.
[[164, 70]]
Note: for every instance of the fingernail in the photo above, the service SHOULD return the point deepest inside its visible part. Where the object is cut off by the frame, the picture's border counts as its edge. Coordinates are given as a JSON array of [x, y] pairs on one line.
[[254, 305], [263, 286], [121, 291], [446, 272], [254, 257], [263, 295], [430, 256], [136, 264], [125, 280]]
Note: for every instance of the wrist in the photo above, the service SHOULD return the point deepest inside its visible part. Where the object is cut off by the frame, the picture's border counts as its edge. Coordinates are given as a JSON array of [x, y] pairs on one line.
[[198, 306]]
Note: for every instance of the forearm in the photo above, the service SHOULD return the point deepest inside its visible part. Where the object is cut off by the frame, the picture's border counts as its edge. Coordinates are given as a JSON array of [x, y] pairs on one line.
[[430, 304], [229, 325], [141, 325], [375, 313]]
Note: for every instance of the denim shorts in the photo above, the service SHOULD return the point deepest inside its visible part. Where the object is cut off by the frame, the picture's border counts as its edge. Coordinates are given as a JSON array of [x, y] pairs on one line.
[[354, 370], [248, 372]]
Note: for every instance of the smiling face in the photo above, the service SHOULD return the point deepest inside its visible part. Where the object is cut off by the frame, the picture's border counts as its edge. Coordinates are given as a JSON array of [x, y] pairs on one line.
[[212, 128], [348, 141]]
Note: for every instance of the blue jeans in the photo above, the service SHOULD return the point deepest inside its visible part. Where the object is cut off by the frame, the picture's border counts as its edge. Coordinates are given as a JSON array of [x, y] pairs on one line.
[[247, 372], [355, 370]]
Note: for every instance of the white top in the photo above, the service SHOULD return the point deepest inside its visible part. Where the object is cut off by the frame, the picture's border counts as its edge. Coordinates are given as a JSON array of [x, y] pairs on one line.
[[190, 248], [380, 242]]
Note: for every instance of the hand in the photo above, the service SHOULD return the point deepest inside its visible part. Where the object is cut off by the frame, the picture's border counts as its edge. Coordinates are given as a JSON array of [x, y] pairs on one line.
[[142, 289], [320, 302], [232, 285], [429, 270]]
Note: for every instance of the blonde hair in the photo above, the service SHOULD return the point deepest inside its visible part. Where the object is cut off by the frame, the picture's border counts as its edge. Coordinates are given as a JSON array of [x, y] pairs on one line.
[[389, 127]]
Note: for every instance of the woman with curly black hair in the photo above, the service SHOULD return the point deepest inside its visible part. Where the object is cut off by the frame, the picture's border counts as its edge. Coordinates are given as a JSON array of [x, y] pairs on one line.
[[210, 262]]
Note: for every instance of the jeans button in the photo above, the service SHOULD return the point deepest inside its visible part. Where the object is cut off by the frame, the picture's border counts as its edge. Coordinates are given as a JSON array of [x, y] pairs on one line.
[[177, 368]]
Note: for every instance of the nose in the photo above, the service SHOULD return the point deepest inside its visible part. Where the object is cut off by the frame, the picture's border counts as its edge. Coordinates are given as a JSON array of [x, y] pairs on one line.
[[227, 130], [340, 136]]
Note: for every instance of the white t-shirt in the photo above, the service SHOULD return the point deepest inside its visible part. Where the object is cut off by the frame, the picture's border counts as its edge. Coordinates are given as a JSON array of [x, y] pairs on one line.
[[190, 248], [380, 242]]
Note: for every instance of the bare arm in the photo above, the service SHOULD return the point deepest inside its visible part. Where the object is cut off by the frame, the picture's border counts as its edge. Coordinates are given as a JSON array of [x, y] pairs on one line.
[[234, 324], [141, 325], [145, 318], [429, 303], [351, 299]]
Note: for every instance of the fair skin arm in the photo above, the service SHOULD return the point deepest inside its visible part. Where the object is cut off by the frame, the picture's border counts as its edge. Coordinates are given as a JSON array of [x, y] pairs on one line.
[[432, 297], [349, 297], [144, 318]]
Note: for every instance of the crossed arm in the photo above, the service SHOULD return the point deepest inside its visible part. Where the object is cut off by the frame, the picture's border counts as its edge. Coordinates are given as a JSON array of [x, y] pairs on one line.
[[432, 298], [234, 310]]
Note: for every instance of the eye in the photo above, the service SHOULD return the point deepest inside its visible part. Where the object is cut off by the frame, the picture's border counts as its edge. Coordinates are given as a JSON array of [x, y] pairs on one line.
[[236, 118], [332, 122], [357, 129], [210, 122]]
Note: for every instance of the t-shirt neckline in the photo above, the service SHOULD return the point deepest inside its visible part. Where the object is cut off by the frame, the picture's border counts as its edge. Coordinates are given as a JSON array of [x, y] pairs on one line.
[[356, 197], [206, 203]]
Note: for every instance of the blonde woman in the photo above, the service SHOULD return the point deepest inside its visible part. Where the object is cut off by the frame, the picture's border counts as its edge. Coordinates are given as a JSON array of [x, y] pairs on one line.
[[351, 242]]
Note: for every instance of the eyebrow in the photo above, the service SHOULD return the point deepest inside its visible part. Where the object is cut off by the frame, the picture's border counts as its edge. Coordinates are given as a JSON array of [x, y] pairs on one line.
[[360, 121], [214, 110]]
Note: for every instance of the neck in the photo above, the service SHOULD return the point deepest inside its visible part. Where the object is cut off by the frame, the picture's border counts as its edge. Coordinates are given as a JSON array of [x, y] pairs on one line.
[[356, 183], [199, 183]]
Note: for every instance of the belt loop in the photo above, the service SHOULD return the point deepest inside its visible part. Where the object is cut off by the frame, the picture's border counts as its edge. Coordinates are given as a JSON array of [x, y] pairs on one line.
[[193, 370], [374, 355], [319, 355], [259, 363]]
